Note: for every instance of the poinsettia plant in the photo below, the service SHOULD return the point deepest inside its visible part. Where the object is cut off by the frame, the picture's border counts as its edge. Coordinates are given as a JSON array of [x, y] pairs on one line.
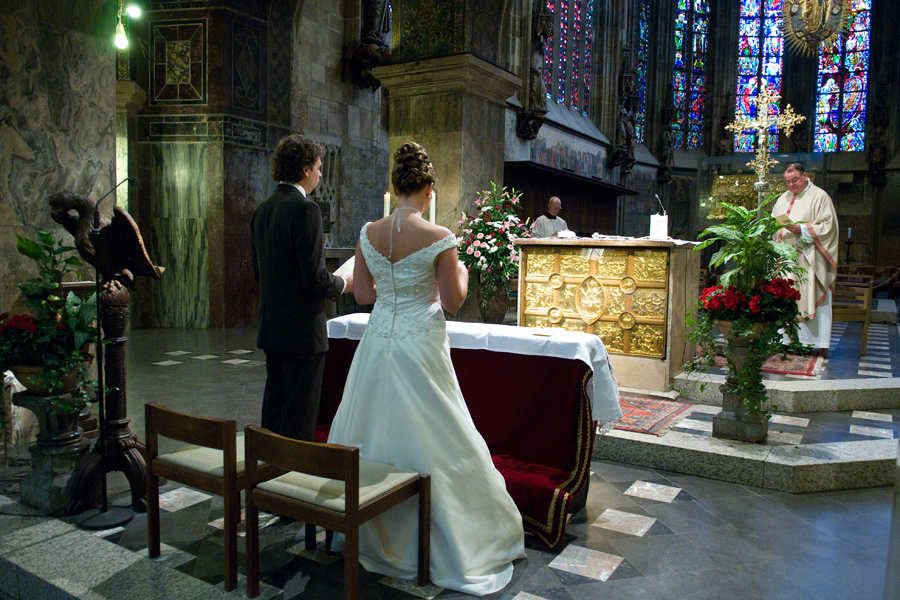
[[57, 334], [487, 234], [754, 306]]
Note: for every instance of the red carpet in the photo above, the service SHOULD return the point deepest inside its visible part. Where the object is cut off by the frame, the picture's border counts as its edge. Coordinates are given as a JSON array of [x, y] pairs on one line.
[[648, 415]]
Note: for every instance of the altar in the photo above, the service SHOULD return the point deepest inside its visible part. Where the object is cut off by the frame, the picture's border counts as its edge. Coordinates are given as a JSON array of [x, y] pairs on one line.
[[534, 396], [633, 293]]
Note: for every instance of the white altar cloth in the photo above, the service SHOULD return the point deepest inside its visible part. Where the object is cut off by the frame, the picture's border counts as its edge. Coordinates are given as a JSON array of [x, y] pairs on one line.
[[558, 343]]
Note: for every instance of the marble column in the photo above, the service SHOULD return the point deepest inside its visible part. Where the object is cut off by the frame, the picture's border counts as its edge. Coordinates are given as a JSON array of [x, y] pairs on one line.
[[130, 99], [454, 106]]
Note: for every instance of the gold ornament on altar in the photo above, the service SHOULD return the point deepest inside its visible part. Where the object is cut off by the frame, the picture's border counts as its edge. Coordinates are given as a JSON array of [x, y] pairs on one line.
[[808, 23], [766, 102]]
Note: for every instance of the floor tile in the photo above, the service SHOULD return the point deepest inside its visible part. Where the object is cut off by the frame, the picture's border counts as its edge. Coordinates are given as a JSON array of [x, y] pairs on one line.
[[653, 491], [586, 563], [181, 498], [872, 416], [788, 420], [779, 437], [624, 522], [872, 431]]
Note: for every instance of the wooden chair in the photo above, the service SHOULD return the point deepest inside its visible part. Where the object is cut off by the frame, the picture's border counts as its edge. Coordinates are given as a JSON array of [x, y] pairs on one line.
[[214, 463], [852, 302], [326, 485]]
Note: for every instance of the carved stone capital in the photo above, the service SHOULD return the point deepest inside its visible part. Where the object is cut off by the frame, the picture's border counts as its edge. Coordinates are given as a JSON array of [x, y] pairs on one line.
[[130, 97]]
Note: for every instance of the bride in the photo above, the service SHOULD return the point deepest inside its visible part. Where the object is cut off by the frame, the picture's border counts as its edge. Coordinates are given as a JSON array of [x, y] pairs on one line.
[[402, 404]]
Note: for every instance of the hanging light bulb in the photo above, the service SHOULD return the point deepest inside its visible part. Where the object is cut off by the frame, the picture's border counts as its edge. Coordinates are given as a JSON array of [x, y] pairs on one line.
[[134, 11], [121, 38]]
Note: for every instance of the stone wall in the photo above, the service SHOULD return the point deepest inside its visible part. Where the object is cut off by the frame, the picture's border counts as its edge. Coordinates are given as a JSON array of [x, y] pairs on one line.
[[334, 112], [57, 125]]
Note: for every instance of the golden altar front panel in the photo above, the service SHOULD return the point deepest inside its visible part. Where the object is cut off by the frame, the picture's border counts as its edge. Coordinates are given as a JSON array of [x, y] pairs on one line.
[[618, 293]]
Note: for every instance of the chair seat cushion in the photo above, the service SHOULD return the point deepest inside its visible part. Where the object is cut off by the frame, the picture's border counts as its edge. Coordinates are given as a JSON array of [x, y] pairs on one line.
[[204, 460], [374, 479]]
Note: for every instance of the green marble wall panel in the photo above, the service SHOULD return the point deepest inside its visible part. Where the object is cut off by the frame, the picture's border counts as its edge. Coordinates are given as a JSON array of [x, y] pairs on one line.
[[179, 231], [122, 159]]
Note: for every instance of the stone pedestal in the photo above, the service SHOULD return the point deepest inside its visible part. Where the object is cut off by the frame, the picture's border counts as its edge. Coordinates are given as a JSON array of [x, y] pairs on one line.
[[455, 107], [733, 423], [58, 447], [48, 487]]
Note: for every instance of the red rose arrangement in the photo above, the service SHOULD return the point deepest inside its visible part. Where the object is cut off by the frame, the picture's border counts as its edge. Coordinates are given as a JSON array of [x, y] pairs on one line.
[[772, 300]]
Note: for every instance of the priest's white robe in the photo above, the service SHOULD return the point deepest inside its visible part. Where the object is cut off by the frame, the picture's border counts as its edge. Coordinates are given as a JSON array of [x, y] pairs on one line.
[[546, 226], [817, 252]]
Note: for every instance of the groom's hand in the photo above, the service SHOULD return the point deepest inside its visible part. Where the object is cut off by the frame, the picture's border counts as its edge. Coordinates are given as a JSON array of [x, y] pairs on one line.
[[349, 287]]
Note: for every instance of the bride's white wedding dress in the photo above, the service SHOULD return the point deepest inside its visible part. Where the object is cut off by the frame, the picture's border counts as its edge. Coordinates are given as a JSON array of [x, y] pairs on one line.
[[402, 406]]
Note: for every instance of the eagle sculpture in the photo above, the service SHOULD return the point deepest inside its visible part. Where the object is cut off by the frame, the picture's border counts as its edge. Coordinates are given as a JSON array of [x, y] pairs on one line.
[[116, 250]]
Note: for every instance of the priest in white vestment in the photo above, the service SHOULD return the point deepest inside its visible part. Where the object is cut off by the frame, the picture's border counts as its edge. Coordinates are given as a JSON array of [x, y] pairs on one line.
[[549, 223], [816, 242]]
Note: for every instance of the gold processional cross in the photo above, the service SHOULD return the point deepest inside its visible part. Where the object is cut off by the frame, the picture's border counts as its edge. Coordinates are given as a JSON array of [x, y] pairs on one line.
[[765, 102]]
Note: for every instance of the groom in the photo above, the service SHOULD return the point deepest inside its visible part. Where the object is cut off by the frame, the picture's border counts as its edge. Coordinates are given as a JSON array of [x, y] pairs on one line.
[[289, 264]]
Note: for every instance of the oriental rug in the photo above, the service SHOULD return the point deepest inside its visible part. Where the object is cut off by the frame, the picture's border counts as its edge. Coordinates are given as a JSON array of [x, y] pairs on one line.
[[793, 365], [649, 415]]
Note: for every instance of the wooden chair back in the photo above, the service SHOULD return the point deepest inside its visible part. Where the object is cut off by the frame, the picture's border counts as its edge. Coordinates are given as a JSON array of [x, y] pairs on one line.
[[200, 432], [340, 465]]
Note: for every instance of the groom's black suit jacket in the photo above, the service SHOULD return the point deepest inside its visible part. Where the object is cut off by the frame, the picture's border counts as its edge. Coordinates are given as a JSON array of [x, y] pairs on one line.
[[289, 264]]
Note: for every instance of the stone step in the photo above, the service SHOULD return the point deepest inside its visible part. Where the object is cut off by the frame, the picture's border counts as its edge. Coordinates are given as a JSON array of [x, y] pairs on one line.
[[789, 468], [800, 396], [884, 311]]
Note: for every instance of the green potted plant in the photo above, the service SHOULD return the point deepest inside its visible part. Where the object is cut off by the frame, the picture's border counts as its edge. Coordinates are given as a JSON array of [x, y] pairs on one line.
[[48, 349], [754, 306], [486, 248]]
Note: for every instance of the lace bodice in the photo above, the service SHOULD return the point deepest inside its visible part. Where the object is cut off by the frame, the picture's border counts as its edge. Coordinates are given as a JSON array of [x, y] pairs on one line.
[[408, 303]]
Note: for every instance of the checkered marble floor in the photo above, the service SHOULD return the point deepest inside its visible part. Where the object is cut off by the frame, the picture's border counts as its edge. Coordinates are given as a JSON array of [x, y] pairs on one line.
[[643, 533]]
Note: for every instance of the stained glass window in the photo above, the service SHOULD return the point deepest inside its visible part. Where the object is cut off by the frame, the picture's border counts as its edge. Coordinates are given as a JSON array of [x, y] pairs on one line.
[[760, 54], [568, 57], [643, 59], [689, 77], [843, 82]]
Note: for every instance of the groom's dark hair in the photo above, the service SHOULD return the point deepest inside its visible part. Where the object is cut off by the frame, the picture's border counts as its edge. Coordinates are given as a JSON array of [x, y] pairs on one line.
[[293, 154]]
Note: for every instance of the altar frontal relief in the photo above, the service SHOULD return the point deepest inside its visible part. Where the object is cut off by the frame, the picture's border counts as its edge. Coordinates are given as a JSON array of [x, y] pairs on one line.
[[619, 294]]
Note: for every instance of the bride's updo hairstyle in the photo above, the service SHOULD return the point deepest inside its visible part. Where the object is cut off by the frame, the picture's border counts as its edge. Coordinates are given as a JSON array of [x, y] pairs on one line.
[[412, 169]]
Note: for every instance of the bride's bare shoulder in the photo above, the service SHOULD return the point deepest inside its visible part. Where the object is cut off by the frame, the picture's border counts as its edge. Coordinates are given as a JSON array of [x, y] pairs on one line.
[[436, 232]]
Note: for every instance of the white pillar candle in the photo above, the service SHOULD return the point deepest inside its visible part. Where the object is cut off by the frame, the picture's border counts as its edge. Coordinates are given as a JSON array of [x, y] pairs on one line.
[[431, 207], [387, 203], [848, 233]]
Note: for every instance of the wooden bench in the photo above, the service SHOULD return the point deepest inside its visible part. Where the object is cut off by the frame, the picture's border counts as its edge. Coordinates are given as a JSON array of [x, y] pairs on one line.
[[885, 280], [852, 302]]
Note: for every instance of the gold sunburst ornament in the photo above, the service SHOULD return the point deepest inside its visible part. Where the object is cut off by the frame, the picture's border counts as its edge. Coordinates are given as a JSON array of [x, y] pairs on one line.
[[808, 23]]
